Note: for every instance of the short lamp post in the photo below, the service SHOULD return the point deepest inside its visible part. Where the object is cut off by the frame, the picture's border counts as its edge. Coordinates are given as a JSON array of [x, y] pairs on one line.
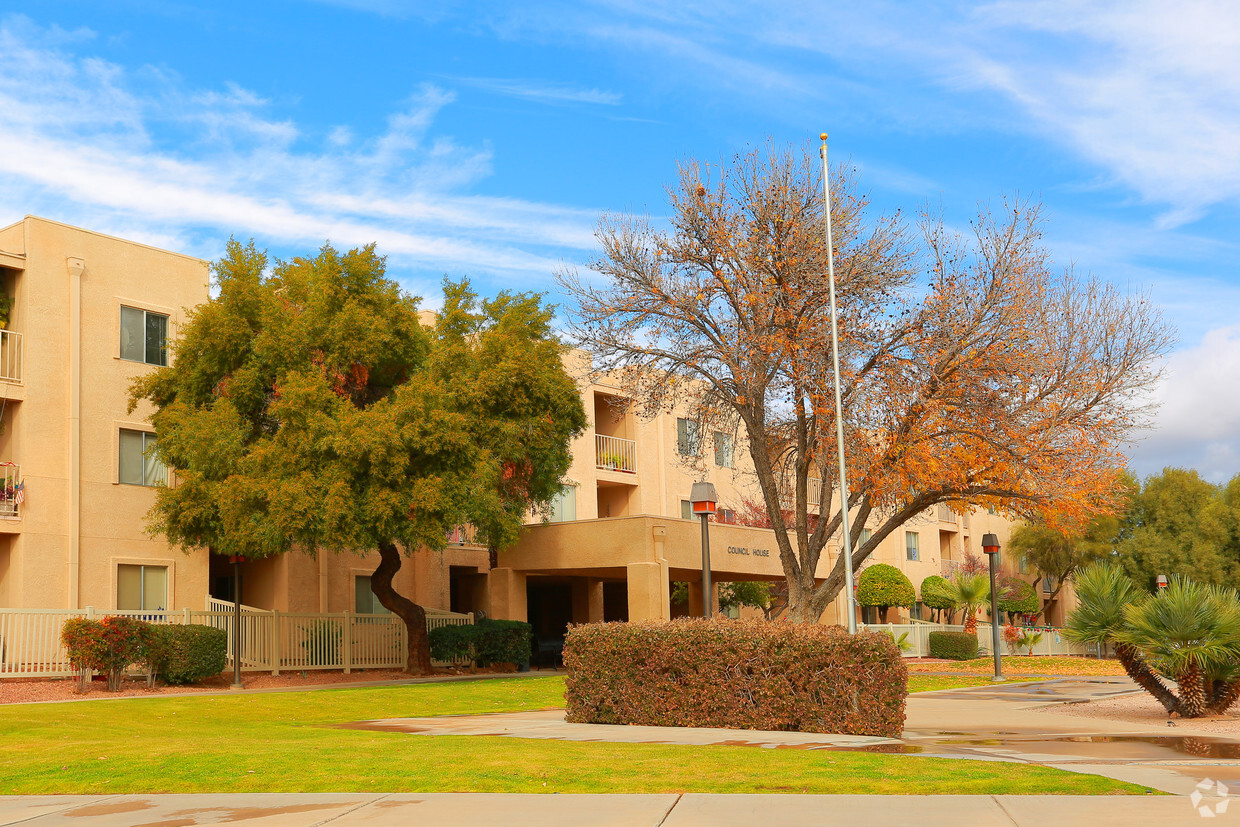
[[990, 545], [704, 498], [1161, 581], [236, 561]]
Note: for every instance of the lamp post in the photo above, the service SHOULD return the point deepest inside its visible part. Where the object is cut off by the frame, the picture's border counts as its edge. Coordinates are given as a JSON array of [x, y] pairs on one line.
[[1161, 581], [237, 560], [990, 545], [704, 499]]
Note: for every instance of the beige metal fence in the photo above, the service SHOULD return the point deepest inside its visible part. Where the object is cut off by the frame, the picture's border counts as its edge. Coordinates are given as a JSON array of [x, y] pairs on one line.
[[917, 640], [270, 641]]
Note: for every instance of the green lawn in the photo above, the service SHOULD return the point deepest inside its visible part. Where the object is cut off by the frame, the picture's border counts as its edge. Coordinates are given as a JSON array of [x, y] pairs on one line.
[[288, 742], [931, 683]]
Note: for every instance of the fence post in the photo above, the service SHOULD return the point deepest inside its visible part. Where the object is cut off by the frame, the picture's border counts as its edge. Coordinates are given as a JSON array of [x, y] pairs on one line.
[[348, 641], [275, 641], [186, 621]]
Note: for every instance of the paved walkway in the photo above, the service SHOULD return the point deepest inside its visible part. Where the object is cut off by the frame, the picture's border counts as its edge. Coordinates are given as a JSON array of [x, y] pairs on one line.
[[689, 810]]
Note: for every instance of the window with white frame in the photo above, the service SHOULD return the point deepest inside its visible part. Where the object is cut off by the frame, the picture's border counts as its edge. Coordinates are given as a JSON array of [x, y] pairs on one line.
[[364, 600], [724, 450], [912, 549], [866, 534], [144, 336], [686, 510], [688, 441], [564, 505], [141, 588], [137, 463]]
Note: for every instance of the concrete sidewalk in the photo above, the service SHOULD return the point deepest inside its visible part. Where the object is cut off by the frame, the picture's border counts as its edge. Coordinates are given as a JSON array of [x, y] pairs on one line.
[[689, 810]]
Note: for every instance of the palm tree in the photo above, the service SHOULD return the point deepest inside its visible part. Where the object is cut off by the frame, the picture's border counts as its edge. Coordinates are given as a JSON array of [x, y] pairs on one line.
[[1103, 591], [970, 593], [1190, 632]]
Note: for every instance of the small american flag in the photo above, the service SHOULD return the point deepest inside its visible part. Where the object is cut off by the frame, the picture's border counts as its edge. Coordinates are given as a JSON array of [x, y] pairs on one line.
[[19, 492]]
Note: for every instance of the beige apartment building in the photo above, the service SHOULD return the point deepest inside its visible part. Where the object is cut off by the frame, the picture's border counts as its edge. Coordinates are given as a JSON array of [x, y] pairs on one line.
[[91, 312]]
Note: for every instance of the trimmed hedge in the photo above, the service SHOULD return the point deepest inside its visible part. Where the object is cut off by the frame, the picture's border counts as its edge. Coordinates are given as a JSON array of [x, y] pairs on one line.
[[953, 645], [741, 674], [190, 653], [485, 642], [883, 585]]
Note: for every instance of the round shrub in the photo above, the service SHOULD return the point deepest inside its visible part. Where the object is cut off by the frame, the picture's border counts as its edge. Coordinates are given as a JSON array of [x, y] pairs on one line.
[[110, 645], [741, 674], [934, 593], [1016, 596], [190, 653], [953, 645], [883, 585]]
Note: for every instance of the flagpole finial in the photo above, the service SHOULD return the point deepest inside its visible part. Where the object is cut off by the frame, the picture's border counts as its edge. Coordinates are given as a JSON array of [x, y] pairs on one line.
[[823, 136]]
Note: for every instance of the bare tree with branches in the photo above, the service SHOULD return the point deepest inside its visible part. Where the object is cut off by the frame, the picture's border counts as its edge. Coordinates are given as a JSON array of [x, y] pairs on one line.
[[972, 373]]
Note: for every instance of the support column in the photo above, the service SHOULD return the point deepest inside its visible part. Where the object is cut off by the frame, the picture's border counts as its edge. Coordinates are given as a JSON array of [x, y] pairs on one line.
[[648, 599], [594, 595], [508, 594], [695, 597]]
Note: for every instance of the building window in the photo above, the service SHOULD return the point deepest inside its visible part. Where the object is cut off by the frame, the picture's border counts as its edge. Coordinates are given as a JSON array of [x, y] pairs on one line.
[[866, 534], [138, 464], [725, 515], [911, 550], [723, 450], [688, 443], [141, 588], [564, 505], [364, 600], [144, 336], [686, 510], [1024, 564]]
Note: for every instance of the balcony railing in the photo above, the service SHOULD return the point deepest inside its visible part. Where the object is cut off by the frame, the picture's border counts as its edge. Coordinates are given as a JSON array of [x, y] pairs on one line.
[[615, 454], [788, 492], [945, 513], [950, 568], [10, 356], [12, 490]]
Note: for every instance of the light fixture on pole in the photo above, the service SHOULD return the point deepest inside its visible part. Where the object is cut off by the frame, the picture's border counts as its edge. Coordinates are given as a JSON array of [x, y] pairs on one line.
[[236, 560], [1161, 581], [704, 498], [990, 545], [850, 596]]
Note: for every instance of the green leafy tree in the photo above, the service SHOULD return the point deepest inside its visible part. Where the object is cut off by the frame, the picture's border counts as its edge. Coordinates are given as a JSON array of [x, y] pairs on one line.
[[1058, 553], [753, 593], [1016, 596], [934, 594], [308, 409], [1180, 524], [884, 586]]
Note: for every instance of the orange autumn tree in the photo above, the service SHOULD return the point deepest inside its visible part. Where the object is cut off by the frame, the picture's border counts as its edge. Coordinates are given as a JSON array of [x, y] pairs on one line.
[[973, 372]]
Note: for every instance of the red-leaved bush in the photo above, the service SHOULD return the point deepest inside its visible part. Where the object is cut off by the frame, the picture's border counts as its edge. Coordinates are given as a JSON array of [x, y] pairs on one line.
[[736, 674]]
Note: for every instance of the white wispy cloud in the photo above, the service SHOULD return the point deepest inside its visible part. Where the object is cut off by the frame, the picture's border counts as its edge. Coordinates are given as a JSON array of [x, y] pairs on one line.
[[542, 91], [90, 142], [1198, 423]]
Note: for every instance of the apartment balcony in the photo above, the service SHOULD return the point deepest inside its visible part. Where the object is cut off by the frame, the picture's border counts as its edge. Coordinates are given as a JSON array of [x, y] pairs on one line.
[[615, 454], [948, 519], [813, 491], [950, 568], [10, 356], [12, 491]]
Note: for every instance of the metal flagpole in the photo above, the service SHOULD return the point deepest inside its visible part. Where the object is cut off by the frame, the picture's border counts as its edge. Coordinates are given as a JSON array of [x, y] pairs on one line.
[[850, 596]]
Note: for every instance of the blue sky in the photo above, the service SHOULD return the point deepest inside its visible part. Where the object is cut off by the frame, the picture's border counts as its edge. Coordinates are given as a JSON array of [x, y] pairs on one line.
[[484, 139]]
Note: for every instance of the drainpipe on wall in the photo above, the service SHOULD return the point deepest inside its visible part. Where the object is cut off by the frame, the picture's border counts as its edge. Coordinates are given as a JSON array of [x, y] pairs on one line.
[[76, 267]]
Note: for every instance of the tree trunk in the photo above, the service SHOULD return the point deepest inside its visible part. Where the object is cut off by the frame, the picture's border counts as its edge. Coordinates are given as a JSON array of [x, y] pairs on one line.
[[418, 661], [1139, 671], [1224, 697], [1192, 692], [970, 622]]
